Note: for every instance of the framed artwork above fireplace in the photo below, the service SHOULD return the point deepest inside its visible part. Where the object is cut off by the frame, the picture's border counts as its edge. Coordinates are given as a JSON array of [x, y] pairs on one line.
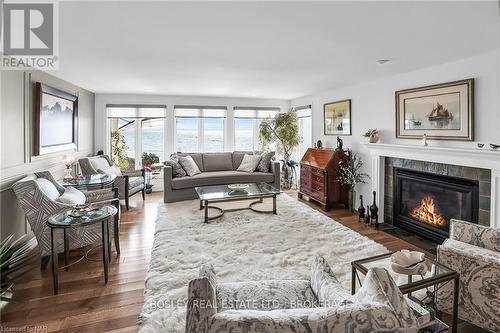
[[442, 111]]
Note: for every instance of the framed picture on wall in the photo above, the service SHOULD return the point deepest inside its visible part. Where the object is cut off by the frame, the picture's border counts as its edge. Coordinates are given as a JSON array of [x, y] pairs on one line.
[[442, 111], [56, 120], [337, 117]]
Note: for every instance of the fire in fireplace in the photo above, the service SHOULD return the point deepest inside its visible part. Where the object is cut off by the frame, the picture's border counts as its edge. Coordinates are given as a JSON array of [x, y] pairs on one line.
[[424, 203]]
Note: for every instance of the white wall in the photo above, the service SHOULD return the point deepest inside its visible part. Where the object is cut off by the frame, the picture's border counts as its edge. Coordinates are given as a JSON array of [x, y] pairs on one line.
[[101, 135], [373, 104], [17, 133]]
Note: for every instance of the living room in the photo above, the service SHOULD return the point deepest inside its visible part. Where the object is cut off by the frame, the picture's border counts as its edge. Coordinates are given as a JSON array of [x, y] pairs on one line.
[[250, 166]]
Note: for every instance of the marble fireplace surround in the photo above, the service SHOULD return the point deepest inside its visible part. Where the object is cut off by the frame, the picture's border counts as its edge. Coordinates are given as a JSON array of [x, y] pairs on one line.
[[471, 158]]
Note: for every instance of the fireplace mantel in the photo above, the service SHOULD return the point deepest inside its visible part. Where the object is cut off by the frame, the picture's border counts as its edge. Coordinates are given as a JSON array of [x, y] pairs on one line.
[[478, 158]]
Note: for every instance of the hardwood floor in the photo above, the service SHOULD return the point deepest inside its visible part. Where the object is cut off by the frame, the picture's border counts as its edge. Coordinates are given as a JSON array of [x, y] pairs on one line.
[[86, 304]]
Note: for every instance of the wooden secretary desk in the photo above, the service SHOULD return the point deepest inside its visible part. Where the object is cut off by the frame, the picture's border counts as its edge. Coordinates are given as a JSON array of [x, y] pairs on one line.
[[319, 172]]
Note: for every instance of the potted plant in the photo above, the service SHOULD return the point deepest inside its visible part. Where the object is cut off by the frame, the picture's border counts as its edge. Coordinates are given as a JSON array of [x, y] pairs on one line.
[[17, 257], [284, 130], [372, 135], [350, 175], [119, 150]]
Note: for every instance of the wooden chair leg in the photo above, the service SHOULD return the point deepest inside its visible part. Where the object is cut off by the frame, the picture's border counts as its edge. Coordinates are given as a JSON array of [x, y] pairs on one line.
[[44, 262], [143, 194], [126, 202]]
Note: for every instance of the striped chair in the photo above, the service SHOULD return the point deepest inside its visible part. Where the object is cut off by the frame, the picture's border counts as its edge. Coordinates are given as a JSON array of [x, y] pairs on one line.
[[38, 207]]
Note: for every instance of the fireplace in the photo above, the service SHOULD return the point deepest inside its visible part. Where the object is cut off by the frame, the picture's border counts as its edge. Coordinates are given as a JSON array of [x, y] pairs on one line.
[[424, 203]]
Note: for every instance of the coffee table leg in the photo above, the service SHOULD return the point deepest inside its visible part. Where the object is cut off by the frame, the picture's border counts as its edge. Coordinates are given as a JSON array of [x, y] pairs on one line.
[[54, 262], [454, 320], [274, 205], [109, 242], [206, 211], [201, 204], [353, 280], [116, 226], [66, 251], [105, 241]]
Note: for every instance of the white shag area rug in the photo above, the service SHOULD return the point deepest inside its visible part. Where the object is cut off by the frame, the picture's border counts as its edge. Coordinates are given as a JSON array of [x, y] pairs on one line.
[[242, 245]]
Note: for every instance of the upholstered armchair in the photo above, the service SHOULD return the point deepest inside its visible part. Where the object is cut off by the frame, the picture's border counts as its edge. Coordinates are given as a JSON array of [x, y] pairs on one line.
[[316, 305], [473, 251], [41, 199], [128, 182]]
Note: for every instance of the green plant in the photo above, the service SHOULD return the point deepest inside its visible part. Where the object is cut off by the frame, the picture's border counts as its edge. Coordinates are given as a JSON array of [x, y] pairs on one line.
[[282, 129], [119, 149], [16, 258], [370, 132], [350, 173], [150, 158]]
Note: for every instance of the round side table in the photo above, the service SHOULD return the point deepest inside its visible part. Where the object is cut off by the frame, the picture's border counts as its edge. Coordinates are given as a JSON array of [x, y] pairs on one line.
[[64, 221]]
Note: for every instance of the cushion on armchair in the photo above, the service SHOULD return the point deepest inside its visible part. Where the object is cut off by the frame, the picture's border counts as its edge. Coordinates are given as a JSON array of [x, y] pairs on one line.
[[99, 162], [325, 285], [110, 170], [72, 196], [48, 188]]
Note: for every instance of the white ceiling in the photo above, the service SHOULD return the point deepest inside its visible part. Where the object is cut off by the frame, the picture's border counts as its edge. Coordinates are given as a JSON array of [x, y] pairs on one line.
[[258, 49]]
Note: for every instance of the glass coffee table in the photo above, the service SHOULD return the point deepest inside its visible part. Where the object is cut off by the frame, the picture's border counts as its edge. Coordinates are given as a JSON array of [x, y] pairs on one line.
[[437, 276], [223, 193], [91, 182]]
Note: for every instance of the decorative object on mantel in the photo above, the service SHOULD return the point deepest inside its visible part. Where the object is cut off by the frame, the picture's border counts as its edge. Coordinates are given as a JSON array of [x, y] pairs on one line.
[[494, 146], [480, 145], [361, 209], [350, 175], [446, 109], [372, 135], [409, 262], [424, 140], [320, 144], [56, 120], [337, 117], [340, 144], [374, 211], [69, 160]]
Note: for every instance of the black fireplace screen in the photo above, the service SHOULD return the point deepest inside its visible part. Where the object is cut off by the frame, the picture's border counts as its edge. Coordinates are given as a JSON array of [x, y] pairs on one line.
[[425, 203]]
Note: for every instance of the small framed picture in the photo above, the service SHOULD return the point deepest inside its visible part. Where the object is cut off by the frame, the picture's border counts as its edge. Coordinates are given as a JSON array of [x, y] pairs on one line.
[[442, 111], [337, 117]]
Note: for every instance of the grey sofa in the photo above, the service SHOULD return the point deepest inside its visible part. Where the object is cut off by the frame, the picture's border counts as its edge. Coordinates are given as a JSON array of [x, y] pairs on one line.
[[216, 169]]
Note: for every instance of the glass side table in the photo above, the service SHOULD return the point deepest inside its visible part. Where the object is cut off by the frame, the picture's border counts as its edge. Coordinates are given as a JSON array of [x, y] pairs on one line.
[[91, 182], [436, 277], [64, 220]]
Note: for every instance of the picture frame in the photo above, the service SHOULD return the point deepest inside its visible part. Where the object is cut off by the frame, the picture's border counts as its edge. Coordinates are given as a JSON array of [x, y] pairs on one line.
[[56, 120], [442, 111], [337, 118]]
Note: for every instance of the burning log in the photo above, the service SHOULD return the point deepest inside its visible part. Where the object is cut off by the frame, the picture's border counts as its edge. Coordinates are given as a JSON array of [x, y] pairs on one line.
[[428, 212]]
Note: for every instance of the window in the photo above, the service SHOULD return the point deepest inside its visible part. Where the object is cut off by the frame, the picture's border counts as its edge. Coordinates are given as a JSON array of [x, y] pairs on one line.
[[199, 128], [304, 115], [246, 126], [142, 128]]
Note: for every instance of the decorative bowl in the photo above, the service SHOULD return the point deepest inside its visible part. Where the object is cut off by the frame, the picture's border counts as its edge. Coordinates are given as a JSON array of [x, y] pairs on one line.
[[409, 262], [238, 187], [77, 213], [80, 206]]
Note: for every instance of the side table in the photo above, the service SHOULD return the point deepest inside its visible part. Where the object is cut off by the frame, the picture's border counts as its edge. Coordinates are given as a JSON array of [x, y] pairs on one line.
[[65, 221]]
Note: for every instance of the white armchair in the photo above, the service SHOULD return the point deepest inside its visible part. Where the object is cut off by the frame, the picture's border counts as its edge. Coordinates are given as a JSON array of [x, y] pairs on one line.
[[128, 182], [316, 305], [474, 252], [39, 201]]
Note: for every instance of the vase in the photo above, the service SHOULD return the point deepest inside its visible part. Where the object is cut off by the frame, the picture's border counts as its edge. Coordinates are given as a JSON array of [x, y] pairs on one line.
[[373, 138], [361, 209], [286, 177], [374, 210], [351, 199]]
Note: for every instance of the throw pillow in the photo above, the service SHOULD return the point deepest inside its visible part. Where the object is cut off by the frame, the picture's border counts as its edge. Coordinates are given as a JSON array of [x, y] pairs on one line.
[[249, 163], [177, 170], [99, 162], [265, 161], [48, 188], [72, 196], [189, 165], [110, 170]]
